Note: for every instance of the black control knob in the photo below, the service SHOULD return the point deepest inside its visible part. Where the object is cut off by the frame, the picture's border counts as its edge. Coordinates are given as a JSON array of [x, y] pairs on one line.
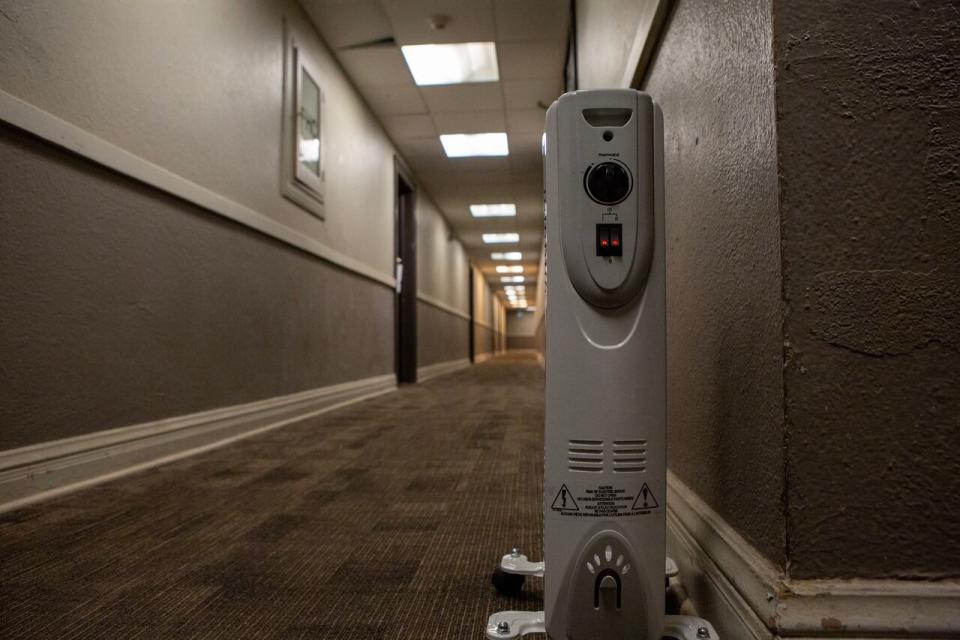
[[608, 182]]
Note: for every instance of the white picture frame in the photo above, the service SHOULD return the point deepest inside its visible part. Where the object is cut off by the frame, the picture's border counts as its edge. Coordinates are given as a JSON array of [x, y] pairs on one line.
[[303, 165]]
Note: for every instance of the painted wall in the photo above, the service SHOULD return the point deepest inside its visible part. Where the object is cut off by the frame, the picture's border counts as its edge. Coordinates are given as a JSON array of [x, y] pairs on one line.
[[521, 323], [197, 89], [441, 335], [443, 268], [521, 329], [443, 273], [490, 318], [122, 304], [606, 33], [125, 304], [714, 77], [869, 145]]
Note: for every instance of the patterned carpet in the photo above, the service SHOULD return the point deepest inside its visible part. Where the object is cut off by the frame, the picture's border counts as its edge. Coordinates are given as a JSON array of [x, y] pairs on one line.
[[380, 520]]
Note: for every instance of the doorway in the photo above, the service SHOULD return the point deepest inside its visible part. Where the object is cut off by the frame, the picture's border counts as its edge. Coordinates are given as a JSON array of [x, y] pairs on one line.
[[471, 345], [405, 308]]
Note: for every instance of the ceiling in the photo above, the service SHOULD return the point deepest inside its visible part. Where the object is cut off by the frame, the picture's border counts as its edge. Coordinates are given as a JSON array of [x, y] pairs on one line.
[[531, 40]]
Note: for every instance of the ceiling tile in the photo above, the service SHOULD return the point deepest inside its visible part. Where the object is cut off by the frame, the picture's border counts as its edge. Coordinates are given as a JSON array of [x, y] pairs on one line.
[[534, 59], [464, 178], [531, 19], [409, 126], [530, 94], [525, 161], [394, 100], [343, 24], [464, 97], [526, 143], [468, 20], [491, 120], [416, 148], [382, 66], [526, 121]]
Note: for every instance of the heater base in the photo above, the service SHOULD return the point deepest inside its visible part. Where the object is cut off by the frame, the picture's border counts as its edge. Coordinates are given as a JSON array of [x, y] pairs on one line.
[[508, 625], [516, 563]]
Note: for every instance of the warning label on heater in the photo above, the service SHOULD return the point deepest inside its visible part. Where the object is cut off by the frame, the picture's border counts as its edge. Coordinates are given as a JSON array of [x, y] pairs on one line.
[[604, 501]]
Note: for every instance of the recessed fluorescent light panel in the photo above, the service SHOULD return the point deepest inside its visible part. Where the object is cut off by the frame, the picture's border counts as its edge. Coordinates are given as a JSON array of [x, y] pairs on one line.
[[466, 145], [511, 279], [501, 238], [502, 268], [493, 210], [509, 255], [433, 64]]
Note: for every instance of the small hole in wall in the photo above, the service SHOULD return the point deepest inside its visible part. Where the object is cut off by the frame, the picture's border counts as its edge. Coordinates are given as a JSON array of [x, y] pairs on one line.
[[608, 135]]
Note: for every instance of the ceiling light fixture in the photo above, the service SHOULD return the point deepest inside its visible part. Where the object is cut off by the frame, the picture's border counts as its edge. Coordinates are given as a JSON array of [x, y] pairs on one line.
[[466, 145], [501, 238], [433, 64], [502, 268], [511, 279], [509, 255], [493, 210]]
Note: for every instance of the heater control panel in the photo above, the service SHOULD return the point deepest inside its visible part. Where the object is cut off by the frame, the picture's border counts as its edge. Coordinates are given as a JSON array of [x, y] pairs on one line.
[[608, 182], [610, 240], [606, 193]]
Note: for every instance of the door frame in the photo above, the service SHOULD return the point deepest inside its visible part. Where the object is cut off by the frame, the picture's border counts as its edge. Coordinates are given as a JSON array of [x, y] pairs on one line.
[[405, 254]]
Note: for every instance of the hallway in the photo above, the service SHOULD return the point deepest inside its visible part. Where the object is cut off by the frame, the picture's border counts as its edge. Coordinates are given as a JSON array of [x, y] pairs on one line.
[[383, 519], [279, 358]]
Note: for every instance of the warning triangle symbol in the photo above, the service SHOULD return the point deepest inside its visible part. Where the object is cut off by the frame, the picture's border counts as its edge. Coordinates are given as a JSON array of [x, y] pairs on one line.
[[564, 500], [645, 499]]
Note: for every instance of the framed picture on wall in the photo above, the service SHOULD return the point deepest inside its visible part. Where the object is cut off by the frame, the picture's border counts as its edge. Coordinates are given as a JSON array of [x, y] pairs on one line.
[[302, 149]]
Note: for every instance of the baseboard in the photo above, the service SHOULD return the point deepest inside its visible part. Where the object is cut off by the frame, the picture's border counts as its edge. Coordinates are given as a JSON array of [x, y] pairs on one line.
[[441, 368], [745, 596], [50, 469]]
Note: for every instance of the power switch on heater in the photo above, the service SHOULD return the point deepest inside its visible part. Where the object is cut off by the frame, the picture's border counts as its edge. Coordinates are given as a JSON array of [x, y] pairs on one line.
[[609, 240]]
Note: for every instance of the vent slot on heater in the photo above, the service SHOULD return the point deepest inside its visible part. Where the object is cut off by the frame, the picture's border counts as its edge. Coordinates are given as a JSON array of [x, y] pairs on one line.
[[585, 456], [629, 456]]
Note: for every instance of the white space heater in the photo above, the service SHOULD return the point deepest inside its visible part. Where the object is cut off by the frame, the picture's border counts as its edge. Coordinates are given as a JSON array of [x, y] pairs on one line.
[[606, 462]]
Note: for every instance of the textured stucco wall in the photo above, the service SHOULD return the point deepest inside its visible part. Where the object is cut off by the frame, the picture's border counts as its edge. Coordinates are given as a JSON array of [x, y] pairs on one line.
[[869, 148], [714, 77], [122, 304], [441, 335]]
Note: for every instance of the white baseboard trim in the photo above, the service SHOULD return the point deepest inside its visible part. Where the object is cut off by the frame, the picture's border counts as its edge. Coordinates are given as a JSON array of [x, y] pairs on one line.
[[50, 469], [745, 596], [441, 368]]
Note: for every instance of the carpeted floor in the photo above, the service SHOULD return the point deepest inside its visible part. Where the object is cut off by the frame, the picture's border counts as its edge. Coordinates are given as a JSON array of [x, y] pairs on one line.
[[380, 520]]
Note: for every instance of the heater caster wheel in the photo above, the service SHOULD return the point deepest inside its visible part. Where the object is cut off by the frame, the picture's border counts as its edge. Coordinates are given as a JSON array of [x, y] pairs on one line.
[[508, 584]]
